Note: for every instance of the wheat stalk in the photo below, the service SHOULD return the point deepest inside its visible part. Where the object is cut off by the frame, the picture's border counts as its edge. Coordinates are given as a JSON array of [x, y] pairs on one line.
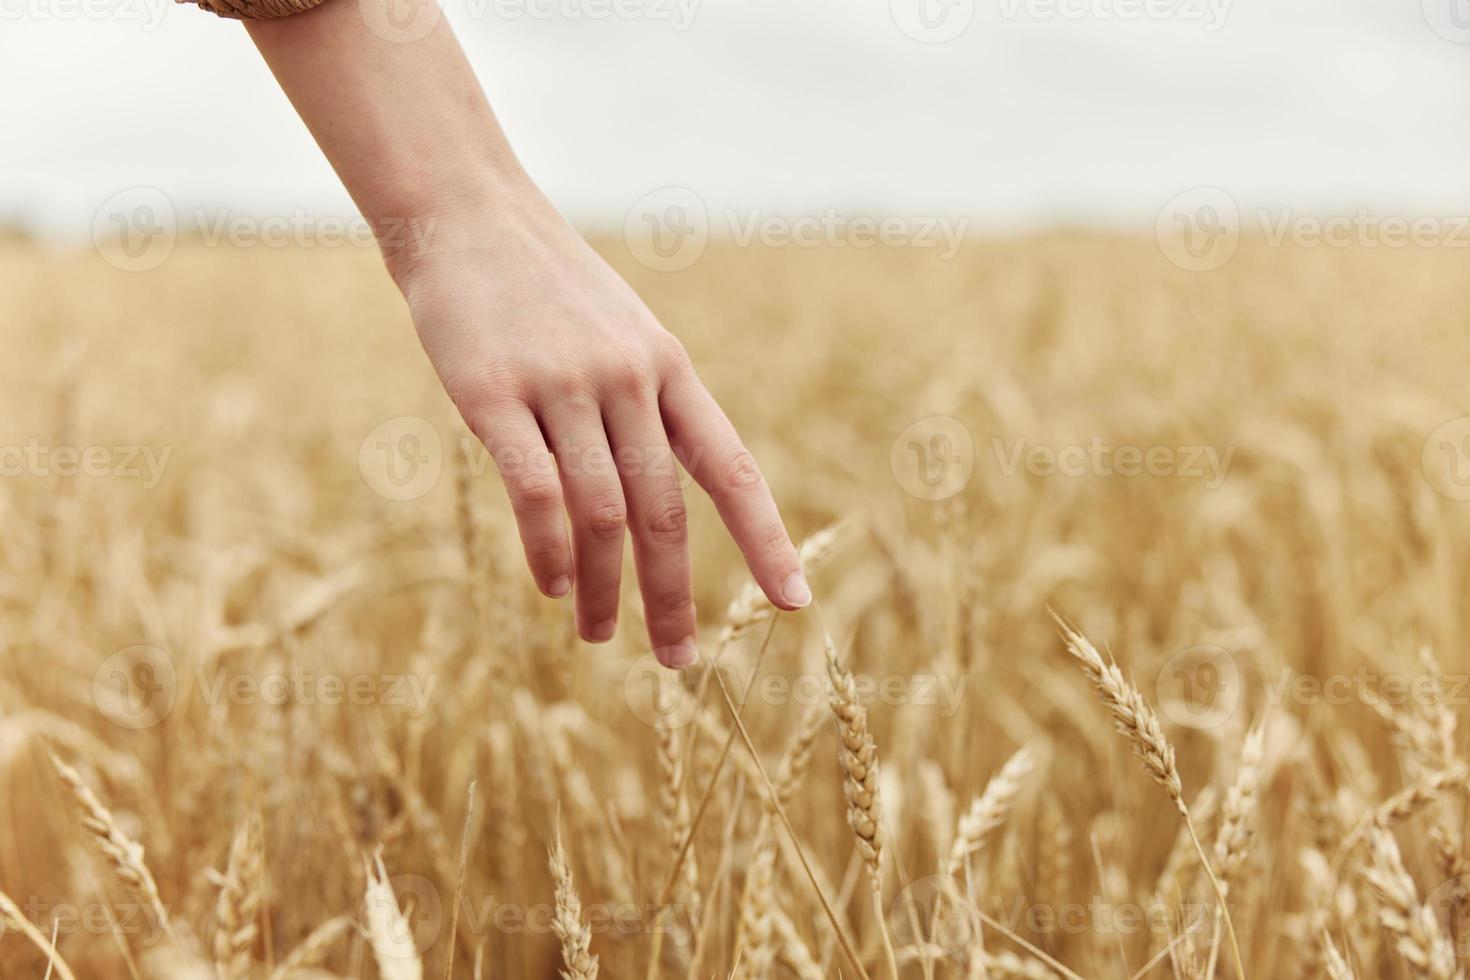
[[11, 917]]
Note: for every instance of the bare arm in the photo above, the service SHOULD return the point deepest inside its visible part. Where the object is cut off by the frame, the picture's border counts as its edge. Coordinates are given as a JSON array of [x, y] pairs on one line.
[[553, 361]]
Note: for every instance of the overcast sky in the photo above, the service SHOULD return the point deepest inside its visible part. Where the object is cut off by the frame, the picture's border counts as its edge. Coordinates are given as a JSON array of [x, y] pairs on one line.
[[1015, 112]]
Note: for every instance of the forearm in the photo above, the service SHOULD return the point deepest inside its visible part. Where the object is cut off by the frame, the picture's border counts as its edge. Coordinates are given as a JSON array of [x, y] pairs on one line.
[[404, 123]]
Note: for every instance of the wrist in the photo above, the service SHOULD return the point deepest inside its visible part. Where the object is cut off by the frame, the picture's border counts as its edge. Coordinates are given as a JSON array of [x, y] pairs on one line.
[[459, 218]]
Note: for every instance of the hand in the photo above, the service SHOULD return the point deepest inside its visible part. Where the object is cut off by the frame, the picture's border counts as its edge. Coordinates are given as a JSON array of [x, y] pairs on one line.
[[579, 395]]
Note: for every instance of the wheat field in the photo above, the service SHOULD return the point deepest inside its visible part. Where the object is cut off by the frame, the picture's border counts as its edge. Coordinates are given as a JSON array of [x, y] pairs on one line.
[[1136, 589]]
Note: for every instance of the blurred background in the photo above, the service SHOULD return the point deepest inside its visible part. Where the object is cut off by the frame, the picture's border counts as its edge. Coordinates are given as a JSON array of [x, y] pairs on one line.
[[1020, 113]]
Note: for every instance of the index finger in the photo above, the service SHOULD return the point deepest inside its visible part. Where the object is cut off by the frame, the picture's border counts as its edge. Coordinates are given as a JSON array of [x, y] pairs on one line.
[[711, 450]]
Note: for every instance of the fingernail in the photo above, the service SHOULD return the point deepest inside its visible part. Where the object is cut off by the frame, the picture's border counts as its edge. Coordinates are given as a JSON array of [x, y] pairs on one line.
[[603, 631], [559, 587], [681, 654], [796, 592]]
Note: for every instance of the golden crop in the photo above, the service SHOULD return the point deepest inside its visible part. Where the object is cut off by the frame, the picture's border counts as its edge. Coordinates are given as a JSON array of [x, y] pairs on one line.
[[1118, 552]]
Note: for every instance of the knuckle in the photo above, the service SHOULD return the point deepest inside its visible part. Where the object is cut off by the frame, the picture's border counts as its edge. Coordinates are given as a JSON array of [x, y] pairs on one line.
[[625, 374], [534, 492], [740, 472], [667, 521], [673, 356], [483, 420], [567, 387], [549, 558], [670, 598], [606, 521], [600, 599]]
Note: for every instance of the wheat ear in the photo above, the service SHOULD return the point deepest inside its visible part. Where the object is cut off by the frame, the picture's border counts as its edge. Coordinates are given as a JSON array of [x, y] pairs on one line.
[[389, 933], [756, 943], [1133, 717], [1416, 932], [240, 896], [1238, 813], [794, 951], [674, 812], [989, 810], [121, 851], [575, 936], [857, 753]]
